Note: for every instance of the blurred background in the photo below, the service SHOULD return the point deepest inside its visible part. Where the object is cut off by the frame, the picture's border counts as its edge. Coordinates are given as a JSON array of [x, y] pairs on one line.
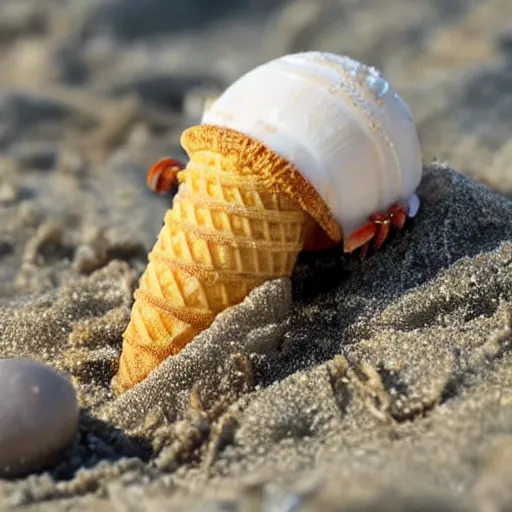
[[92, 92]]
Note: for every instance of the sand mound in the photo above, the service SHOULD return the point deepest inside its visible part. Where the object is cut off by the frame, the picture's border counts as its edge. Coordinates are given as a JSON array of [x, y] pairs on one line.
[[393, 374]]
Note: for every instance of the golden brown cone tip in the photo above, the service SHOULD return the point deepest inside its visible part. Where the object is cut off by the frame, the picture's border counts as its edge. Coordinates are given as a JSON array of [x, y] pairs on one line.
[[240, 218]]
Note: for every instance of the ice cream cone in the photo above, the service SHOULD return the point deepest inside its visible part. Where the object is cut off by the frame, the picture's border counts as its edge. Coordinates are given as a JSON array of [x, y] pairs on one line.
[[240, 218]]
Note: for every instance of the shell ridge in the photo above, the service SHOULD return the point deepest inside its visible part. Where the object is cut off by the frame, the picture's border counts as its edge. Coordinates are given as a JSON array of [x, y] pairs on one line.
[[352, 85]]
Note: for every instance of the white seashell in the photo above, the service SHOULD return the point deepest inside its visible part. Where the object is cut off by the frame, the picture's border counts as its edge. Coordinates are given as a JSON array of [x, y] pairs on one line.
[[339, 122]]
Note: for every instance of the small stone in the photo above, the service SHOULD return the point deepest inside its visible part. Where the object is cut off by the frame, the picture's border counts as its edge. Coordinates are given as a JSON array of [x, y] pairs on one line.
[[38, 416]]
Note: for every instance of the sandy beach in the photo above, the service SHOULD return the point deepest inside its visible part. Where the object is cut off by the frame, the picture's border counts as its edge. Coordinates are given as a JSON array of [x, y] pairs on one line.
[[383, 384]]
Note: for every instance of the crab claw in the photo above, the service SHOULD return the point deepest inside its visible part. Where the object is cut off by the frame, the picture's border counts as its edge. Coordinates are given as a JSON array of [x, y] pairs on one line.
[[377, 229], [162, 176]]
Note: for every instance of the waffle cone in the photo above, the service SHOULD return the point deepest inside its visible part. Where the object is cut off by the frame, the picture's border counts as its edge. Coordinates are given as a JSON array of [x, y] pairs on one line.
[[228, 231]]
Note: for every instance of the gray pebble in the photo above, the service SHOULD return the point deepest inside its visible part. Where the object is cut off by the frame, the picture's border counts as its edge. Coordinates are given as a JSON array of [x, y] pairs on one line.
[[38, 416]]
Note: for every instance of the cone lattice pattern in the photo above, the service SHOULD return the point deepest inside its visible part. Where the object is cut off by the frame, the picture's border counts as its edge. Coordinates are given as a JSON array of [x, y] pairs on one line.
[[227, 232]]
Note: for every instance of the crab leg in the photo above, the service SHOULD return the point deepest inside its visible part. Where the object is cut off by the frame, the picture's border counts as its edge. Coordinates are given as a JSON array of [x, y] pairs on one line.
[[376, 230]]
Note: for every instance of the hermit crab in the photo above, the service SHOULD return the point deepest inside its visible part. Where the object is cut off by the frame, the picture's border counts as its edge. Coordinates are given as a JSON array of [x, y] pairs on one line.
[[303, 152]]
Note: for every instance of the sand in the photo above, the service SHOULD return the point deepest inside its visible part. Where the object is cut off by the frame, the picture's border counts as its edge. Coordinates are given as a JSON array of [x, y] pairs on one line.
[[386, 382]]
